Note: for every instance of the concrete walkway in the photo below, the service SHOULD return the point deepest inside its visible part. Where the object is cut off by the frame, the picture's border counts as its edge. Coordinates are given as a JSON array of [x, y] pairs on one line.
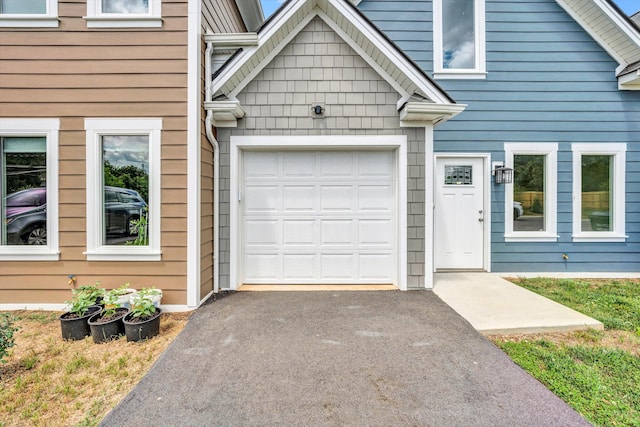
[[494, 305], [336, 359]]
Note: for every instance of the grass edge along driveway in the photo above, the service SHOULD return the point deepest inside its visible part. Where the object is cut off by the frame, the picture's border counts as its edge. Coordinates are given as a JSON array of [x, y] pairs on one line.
[[595, 372]]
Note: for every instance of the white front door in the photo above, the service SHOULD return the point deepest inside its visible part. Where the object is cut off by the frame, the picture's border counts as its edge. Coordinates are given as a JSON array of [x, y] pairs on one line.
[[459, 213], [326, 217]]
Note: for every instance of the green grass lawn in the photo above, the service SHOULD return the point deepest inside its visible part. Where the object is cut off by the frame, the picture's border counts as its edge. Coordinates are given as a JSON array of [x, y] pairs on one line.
[[596, 372]]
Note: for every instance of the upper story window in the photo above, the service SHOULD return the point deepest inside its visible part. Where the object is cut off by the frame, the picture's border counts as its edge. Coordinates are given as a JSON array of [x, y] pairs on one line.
[[29, 13], [123, 189], [531, 200], [459, 39], [29, 189], [599, 192], [124, 13]]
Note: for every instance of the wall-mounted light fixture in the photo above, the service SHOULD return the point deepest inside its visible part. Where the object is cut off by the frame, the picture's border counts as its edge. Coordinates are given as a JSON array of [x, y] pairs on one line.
[[317, 109], [502, 175]]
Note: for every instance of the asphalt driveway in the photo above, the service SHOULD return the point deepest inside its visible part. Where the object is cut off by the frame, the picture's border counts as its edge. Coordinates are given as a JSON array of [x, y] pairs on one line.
[[336, 359]]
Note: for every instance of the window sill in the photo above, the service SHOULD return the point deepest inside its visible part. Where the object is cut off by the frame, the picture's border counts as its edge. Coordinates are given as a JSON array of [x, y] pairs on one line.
[[460, 75], [30, 22], [123, 254], [600, 237], [123, 22], [12, 254], [530, 238]]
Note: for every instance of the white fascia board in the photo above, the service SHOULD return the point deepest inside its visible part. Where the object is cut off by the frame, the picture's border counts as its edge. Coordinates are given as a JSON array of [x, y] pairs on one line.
[[251, 12]]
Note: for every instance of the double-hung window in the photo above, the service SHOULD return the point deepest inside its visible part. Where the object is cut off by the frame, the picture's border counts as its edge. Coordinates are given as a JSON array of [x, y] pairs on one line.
[[531, 200], [29, 13], [459, 39], [29, 189], [123, 189], [124, 13], [599, 192]]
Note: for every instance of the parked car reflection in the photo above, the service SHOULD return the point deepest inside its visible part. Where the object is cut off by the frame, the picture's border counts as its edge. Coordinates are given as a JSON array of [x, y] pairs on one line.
[[26, 214]]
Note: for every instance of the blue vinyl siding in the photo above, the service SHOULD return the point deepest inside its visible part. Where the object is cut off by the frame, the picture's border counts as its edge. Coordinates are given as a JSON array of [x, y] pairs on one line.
[[547, 81]]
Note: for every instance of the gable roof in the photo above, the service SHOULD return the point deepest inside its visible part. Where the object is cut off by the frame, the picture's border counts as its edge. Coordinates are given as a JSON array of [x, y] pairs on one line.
[[614, 31], [390, 62]]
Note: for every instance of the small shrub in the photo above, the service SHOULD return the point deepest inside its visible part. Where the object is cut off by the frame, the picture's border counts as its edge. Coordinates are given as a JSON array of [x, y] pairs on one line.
[[7, 339]]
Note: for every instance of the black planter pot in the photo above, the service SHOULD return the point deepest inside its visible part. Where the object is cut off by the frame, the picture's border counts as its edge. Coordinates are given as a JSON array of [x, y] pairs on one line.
[[76, 328], [106, 331], [139, 331]]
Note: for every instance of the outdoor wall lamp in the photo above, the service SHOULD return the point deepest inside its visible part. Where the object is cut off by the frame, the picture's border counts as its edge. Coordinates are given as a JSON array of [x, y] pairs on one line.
[[502, 175]]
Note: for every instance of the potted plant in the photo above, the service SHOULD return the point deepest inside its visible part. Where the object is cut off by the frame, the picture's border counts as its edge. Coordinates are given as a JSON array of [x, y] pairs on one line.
[[93, 293], [107, 324], [74, 323], [143, 321], [123, 295]]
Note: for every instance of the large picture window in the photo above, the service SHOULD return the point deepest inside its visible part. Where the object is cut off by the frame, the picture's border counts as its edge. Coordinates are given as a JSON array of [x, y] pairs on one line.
[[124, 13], [28, 189], [123, 188], [599, 190], [459, 38], [29, 13], [531, 201]]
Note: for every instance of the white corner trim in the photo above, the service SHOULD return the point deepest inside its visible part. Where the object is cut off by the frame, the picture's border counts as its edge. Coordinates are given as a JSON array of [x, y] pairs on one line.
[[429, 204], [194, 123]]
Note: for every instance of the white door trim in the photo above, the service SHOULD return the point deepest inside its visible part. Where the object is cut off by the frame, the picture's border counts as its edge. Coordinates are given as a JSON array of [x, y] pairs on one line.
[[486, 161], [396, 143]]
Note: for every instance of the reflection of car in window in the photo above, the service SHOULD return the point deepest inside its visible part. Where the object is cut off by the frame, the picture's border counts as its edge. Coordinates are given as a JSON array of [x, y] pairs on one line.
[[518, 211], [26, 214]]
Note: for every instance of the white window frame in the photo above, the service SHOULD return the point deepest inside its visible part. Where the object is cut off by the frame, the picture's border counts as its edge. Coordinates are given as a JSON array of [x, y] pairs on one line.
[[24, 20], [480, 69], [95, 129], [49, 129], [550, 151], [96, 19], [618, 151]]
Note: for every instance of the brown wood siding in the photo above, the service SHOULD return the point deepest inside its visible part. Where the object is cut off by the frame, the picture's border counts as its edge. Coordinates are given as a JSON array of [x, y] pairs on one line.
[[73, 73]]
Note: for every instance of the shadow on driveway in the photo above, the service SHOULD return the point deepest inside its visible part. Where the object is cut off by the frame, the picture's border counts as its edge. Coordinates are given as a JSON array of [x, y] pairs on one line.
[[336, 359]]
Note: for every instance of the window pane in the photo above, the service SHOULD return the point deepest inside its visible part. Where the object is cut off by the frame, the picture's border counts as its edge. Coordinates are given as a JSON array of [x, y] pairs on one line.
[[24, 191], [528, 193], [458, 175], [31, 7], [596, 193], [125, 6], [458, 34], [125, 190]]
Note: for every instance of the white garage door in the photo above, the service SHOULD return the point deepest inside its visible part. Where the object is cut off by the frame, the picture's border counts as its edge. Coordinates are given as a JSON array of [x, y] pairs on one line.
[[318, 217]]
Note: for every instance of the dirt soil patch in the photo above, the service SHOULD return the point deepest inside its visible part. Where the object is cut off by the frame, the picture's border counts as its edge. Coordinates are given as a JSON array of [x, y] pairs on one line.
[[51, 382]]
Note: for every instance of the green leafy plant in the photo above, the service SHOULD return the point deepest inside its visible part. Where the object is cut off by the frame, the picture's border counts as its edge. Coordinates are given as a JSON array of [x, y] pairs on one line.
[[7, 331], [140, 227], [91, 293], [142, 303]]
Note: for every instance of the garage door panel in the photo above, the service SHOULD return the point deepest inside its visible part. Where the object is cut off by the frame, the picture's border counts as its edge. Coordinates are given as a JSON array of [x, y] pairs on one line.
[[318, 217], [261, 267], [261, 233], [375, 164], [298, 164], [338, 267], [337, 198], [298, 232], [375, 232], [375, 198], [299, 267], [260, 198], [298, 198], [337, 165], [375, 267], [261, 165], [337, 233]]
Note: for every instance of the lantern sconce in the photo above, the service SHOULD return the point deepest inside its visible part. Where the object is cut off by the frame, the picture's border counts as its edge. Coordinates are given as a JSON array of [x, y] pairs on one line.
[[501, 175]]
